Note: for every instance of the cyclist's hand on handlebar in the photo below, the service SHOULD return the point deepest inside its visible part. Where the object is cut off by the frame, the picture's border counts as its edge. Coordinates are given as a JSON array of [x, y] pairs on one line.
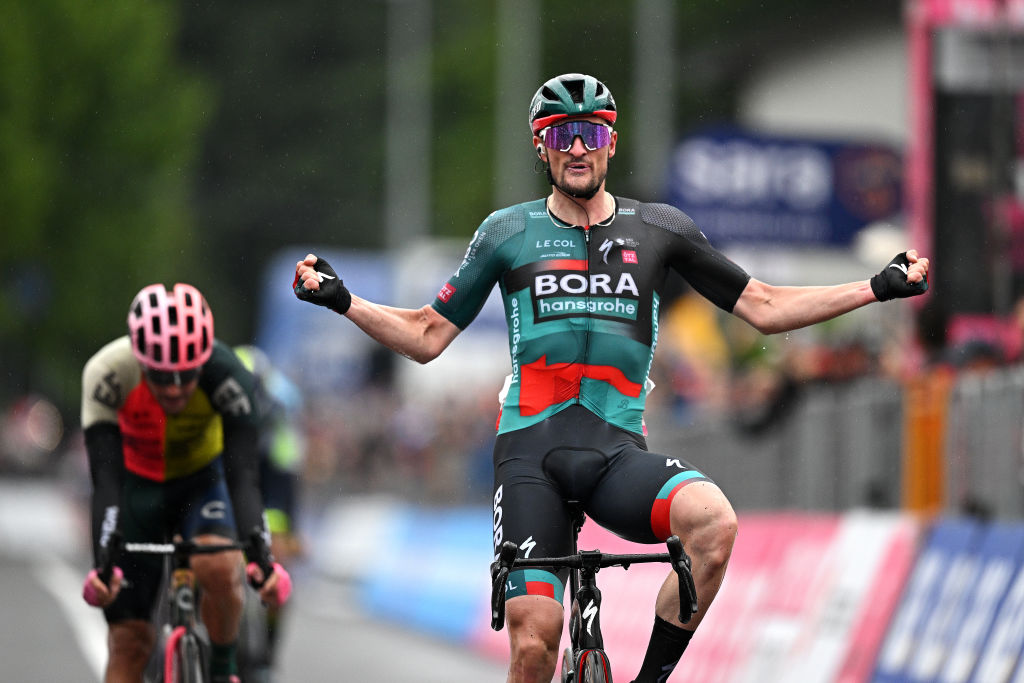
[[316, 282], [99, 594], [275, 589]]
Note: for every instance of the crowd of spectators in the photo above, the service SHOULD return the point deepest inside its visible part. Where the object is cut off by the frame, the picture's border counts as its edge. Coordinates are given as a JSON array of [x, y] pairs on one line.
[[709, 366]]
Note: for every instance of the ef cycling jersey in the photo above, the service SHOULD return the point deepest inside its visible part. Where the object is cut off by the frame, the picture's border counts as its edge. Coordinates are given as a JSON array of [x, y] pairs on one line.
[[126, 430], [158, 446], [582, 302]]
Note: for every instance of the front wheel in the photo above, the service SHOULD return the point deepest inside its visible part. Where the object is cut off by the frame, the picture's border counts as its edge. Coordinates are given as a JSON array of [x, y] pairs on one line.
[[183, 659], [592, 667], [568, 672]]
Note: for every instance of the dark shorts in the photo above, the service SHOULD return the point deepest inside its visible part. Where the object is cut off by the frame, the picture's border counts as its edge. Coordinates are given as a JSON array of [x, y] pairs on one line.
[[575, 456], [154, 512]]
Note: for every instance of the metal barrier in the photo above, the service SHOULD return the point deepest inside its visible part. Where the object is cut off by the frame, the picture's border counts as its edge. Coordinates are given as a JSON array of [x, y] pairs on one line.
[[983, 445], [850, 445]]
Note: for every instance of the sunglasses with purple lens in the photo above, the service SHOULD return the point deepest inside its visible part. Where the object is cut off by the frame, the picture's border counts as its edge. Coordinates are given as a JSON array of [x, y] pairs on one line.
[[560, 137]]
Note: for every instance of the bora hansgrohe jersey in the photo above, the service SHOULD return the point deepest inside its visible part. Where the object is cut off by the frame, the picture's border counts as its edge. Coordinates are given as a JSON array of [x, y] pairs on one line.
[[582, 303]]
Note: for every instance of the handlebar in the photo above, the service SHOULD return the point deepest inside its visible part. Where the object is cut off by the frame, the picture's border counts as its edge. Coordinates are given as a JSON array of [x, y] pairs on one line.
[[682, 565], [181, 550], [593, 560]]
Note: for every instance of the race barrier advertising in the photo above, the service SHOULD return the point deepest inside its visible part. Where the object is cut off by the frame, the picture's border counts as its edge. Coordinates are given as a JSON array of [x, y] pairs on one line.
[[860, 596]]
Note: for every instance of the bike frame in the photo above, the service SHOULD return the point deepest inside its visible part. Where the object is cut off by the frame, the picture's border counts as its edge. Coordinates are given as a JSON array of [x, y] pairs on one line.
[[585, 622], [181, 597]]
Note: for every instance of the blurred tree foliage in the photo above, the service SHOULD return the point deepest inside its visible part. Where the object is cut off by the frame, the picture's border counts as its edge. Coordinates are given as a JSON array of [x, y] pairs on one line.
[[104, 109], [99, 129]]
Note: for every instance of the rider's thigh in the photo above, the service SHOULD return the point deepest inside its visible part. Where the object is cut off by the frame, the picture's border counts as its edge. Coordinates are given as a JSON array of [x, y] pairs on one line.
[[131, 642], [217, 572], [635, 497]]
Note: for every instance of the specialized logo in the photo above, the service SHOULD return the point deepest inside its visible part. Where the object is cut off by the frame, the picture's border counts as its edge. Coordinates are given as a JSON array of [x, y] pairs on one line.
[[902, 267], [590, 613], [527, 546], [320, 276], [628, 255]]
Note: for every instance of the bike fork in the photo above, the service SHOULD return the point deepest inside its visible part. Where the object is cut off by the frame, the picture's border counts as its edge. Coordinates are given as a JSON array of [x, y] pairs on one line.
[[584, 624]]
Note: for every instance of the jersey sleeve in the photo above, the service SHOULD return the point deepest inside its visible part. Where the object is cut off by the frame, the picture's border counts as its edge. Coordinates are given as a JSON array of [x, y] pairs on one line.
[[232, 391], [690, 253], [106, 378], [492, 249]]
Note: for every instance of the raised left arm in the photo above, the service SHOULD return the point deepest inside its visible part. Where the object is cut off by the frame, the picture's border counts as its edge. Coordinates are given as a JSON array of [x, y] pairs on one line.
[[771, 309]]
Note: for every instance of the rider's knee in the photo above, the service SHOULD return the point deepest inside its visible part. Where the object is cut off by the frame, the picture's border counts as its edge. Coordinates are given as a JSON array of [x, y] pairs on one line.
[[219, 574], [721, 532], [534, 626], [707, 520]]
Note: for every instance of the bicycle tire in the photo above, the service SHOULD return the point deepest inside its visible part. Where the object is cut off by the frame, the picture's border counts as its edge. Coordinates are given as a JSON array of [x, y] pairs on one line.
[[183, 659], [592, 667], [568, 673]]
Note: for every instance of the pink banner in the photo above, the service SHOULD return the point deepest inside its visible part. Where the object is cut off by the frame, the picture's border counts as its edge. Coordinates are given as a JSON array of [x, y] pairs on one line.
[[807, 597], [979, 13]]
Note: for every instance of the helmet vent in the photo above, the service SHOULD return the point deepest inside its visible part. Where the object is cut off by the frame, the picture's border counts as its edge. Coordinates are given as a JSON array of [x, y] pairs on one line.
[[140, 340], [548, 94], [191, 352], [153, 303], [190, 324], [600, 89], [174, 348], [158, 353], [156, 324], [575, 88]]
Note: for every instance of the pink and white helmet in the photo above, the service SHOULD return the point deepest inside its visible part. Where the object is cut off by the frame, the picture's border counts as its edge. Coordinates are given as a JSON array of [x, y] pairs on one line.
[[171, 331]]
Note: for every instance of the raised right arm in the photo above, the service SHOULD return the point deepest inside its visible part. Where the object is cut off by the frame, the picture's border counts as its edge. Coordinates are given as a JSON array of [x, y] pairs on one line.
[[420, 334]]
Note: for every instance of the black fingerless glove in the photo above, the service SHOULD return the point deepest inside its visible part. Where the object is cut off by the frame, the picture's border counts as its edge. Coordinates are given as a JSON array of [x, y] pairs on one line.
[[892, 283], [332, 294]]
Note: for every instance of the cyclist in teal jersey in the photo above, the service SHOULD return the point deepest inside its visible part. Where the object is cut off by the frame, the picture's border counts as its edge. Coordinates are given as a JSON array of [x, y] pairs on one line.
[[581, 273]]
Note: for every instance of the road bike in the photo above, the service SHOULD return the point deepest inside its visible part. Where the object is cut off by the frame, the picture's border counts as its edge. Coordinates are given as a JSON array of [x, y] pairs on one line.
[[184, 655], [585, 660]]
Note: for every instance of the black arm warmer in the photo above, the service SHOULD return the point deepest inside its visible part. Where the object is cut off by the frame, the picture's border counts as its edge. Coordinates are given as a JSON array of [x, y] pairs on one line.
[[241, 469], [106, 469]]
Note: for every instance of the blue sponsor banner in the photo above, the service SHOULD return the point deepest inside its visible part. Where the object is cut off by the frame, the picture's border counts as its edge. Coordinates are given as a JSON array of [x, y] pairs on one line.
[[934, 591], [1004, 640], [314, 347], [435, 570], [739, 186], [976, 585]]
